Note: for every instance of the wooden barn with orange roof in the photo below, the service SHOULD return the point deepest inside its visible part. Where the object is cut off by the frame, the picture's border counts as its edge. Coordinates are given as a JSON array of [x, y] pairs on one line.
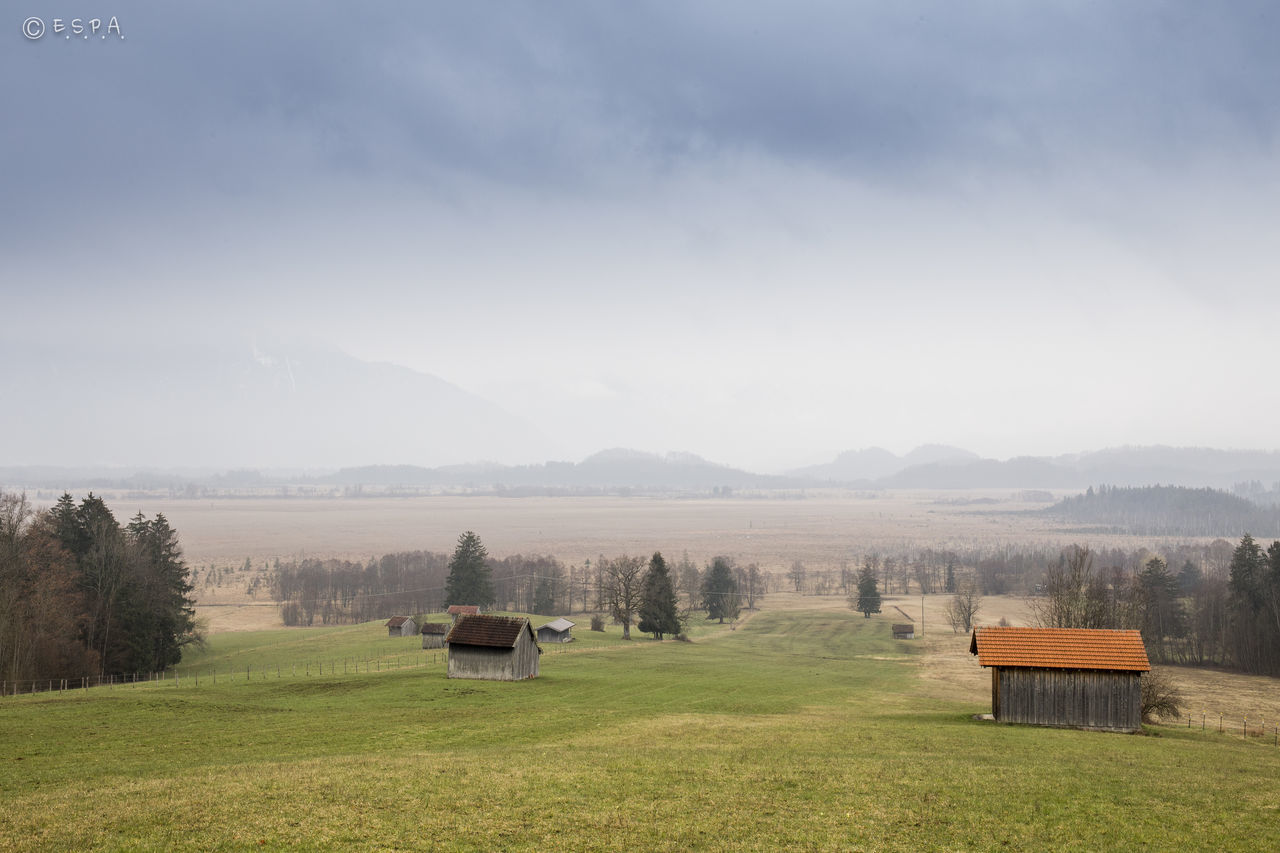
[[1071, 677]]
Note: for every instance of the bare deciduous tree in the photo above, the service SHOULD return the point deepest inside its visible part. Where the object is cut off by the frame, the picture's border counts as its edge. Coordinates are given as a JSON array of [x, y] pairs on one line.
[[620, 579], [962, 609], [1066, 586], [797, 575]]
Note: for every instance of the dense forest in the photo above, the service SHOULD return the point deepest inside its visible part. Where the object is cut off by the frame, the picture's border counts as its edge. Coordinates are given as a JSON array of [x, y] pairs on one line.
[[1168, 511], [82, 596]]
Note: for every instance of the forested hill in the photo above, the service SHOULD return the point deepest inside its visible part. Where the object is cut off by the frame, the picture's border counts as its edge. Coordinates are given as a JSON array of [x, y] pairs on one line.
[[1169, 511]]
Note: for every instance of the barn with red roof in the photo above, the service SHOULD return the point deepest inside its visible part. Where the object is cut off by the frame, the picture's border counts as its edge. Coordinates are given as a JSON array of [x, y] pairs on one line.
[[1071, 677]]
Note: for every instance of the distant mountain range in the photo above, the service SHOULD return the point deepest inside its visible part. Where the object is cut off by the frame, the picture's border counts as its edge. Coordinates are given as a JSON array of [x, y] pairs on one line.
[[613, 469], [876, 463], [938, 467], [246, 413], [1252, 474]]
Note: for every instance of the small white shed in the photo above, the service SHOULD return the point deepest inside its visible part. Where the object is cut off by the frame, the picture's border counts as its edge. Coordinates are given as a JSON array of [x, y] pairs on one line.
[[556, 632]]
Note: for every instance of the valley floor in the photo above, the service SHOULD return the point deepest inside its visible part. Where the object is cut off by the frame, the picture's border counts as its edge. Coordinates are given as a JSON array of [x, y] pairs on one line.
[[805, 726]]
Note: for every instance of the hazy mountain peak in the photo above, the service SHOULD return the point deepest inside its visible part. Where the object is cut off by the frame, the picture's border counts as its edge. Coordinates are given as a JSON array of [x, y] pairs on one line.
[[928, 454], [620, 454]]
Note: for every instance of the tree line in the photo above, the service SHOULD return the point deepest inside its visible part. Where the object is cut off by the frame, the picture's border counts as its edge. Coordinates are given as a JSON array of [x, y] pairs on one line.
[[626, 587], [332, 591], [1168, 511], [1189, 616], [82, 595], [1211, 607]]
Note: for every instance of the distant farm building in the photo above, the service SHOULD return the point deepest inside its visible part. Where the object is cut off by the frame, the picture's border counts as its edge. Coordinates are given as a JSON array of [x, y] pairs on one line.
[[904, 632], [1073, 677], [456, 610], [433, 634], [556, 632], [493, 648], [401, 626]]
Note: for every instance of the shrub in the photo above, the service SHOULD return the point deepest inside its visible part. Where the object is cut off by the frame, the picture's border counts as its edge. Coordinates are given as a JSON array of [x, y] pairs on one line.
[[597, 623], [1160, 697]]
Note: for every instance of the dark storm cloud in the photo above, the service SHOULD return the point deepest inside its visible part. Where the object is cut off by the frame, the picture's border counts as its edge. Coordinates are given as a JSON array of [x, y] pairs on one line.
[[239, 100]]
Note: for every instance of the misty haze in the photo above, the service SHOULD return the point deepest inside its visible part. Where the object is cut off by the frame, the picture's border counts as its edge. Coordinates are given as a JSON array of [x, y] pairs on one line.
[[885, 388]]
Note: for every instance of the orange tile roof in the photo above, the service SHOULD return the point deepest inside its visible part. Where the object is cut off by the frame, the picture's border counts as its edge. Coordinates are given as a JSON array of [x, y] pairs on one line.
[[1060, 648]]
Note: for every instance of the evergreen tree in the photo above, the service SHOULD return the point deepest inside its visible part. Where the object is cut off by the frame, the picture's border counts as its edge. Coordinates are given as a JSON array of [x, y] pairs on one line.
[[544, 596], [719, 592], [92, 536], [1160, 614], [156, 615], [1254, 607], [1189, 578], [868, 598], [470, 578], [658, 613], [134, 586]]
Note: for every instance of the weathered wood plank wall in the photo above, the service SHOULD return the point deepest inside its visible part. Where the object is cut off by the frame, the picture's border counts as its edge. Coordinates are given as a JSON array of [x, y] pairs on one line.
[[1062, 697], [492, 664]]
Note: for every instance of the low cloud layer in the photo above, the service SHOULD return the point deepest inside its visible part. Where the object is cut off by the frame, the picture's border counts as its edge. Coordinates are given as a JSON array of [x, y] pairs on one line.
[[761, 234]]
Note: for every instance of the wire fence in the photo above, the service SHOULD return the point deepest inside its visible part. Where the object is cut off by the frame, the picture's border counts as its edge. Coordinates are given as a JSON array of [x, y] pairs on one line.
[[197, 675], [1242, 726]]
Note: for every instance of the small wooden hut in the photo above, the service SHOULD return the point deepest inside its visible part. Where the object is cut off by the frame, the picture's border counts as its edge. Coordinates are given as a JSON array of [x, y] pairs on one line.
[[904, 631], [493, 648], [434, 633], [456, 610], [558, 631], [401, 626], [1071, 677]]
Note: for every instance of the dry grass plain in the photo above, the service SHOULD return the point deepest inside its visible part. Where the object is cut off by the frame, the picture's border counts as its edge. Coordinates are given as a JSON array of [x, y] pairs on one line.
[[821, 529]]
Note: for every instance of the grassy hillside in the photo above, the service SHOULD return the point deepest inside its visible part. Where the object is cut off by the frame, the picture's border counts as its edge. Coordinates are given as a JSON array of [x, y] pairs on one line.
[[799, 729]]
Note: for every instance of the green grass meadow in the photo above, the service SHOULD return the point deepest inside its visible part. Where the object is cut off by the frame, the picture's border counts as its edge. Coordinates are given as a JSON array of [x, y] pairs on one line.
[[800, 730]]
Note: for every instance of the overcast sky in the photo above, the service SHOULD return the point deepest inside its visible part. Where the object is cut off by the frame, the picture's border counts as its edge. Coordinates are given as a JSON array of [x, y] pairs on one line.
[[760, 232]]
